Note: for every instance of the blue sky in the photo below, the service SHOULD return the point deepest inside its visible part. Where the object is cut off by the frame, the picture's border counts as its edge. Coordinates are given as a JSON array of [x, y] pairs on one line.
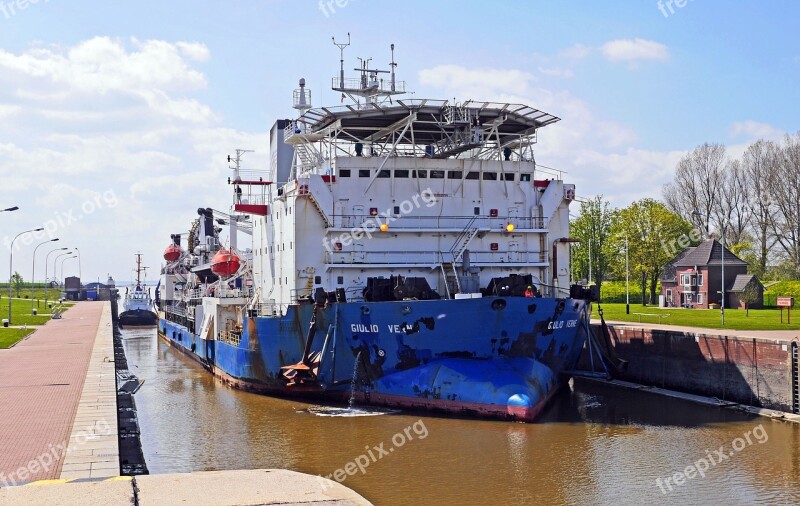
[[144, 100]]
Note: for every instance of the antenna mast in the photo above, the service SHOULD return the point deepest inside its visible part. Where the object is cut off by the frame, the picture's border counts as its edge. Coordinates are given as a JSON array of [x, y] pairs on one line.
[[238, 161], [341, 47]]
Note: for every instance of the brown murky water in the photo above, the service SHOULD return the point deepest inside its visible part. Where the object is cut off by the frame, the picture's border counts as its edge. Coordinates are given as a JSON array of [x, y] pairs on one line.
[[594, 445]]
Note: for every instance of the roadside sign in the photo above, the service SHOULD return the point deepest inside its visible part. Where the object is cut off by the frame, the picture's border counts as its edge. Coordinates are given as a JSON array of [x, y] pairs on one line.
[[786, 302]]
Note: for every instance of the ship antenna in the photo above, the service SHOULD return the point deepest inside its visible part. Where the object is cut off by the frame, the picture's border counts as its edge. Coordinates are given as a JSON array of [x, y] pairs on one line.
[[341, 47], [238, 161], [393, 65]]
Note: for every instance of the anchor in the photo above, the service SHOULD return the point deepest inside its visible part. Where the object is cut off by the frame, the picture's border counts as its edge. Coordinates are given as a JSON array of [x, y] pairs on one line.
[[305, 372]]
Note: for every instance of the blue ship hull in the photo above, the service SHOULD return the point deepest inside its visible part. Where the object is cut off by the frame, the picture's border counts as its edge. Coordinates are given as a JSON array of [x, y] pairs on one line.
[[494, 356]]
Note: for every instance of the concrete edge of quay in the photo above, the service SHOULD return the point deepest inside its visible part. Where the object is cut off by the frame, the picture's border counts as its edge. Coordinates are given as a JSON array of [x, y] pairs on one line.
[[93, 450], [205, 488]]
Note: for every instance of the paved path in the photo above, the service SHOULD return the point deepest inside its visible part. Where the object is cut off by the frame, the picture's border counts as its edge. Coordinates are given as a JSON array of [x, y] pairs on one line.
[[781, 335], [212, 488], [41, 380]]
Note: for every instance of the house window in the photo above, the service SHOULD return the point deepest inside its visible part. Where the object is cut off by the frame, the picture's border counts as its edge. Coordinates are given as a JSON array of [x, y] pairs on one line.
[[685, 279], [669, 294], [699, 280], [699, 298]]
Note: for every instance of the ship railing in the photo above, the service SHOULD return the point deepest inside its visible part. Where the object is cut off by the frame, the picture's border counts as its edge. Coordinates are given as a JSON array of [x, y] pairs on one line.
[[359, 85], [432, 258], [227, 293], [265, 309], [300, 293], [230, 337], [175, 310], [369, 222]]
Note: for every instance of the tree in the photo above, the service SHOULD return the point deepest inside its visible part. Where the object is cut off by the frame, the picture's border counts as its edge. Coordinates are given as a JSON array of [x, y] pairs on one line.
[[593, 227], [785, 191], [698, 181], [655, 235], [759, 164], [749, 295], [16, 282]]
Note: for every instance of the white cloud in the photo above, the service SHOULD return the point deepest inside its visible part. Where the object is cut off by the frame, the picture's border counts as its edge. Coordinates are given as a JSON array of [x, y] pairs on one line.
[[106, 116], [633, 50], [753, 130], [599, 155]]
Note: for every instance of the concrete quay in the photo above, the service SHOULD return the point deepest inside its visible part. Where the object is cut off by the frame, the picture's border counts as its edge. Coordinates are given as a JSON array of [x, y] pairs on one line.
[[210, 488], [56, 395]]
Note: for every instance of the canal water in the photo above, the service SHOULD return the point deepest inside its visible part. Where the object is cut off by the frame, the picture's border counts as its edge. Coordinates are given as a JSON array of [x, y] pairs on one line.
[[594, 445]]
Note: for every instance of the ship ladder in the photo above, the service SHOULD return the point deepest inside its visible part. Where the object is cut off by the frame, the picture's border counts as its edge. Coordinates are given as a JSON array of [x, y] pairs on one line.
[[795, 379]]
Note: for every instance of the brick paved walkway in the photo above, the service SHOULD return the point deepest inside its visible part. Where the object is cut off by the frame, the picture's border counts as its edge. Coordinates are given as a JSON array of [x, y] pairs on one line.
[[41, 380]]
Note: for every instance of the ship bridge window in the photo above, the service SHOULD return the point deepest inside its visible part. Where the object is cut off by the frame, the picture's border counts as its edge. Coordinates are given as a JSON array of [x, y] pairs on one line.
[[340, 280], [454, 174], [437, 174], [476, 211], [344, 173], [384, 173], [473, 175], [419, 173], [508, 176], [318, 280], [401, 173], [490, 176], [524, 177], [363, 172]]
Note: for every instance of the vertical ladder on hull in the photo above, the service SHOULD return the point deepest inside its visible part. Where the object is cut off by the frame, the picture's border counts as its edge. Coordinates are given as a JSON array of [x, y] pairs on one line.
[[451, 283], [795, 379]]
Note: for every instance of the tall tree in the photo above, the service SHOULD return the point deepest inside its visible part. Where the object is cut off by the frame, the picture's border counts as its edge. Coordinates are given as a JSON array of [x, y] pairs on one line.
[[699, 177], [653, 235], [785, 191], [759, 164], [593, 227], [731, 211]]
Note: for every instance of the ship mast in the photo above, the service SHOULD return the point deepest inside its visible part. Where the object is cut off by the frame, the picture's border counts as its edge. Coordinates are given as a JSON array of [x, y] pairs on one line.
[[138, 269]]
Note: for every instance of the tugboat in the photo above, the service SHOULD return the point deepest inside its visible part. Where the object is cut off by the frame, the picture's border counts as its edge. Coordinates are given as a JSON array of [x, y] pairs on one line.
[[138, 308], [410, 250]]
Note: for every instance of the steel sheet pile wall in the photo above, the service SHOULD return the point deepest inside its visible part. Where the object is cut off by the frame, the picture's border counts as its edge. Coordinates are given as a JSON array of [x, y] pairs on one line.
[[752, 371]]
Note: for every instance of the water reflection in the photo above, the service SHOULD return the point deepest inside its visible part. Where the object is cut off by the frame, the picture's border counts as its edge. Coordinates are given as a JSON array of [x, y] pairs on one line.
[[595, 445]]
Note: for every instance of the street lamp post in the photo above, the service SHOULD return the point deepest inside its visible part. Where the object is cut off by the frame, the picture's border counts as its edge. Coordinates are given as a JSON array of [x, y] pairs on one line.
[[627, 288], [33, 267], [79, 261], [62, 264], [11, 266], [722, 302], [46, 284], [55, 260]]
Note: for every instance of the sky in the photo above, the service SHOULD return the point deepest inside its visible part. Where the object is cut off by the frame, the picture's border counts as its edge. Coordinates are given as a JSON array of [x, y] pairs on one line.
[[116, 118]]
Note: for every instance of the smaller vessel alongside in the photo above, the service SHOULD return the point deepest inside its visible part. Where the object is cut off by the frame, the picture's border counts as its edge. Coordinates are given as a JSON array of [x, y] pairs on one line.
[[138, 307]]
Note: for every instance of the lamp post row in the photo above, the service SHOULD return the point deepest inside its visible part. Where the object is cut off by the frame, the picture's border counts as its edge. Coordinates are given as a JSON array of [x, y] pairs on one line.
[[76, 254]]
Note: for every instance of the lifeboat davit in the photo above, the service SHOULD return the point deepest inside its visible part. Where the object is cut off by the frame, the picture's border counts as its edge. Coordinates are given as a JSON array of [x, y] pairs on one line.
[[172, 253], [225, 263]]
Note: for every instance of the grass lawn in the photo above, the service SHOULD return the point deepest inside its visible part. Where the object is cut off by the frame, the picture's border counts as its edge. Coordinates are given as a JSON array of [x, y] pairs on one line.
[[759, 319], [21, 312], [10, 337]]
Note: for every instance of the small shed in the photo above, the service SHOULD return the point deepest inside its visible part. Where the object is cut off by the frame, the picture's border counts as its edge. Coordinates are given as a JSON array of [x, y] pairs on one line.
[[744, 285]]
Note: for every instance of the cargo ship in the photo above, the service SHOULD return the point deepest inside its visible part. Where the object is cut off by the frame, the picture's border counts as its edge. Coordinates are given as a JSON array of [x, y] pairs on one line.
[[406, 252]]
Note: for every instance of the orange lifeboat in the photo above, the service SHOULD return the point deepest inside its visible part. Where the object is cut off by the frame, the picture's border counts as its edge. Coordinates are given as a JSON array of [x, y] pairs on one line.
[[172, 253], [225, 263]]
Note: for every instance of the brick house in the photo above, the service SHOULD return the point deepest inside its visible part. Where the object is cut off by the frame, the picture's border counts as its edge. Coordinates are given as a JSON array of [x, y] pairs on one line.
[[694, 278]]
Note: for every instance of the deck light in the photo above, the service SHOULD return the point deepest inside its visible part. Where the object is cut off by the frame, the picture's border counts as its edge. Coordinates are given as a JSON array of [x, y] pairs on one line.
[[510, 227]]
